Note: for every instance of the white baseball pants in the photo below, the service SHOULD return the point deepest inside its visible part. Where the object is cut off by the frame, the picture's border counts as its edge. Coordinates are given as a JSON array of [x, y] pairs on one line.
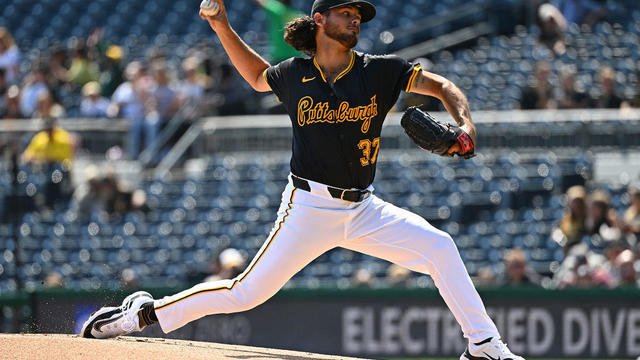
[[311, 223]]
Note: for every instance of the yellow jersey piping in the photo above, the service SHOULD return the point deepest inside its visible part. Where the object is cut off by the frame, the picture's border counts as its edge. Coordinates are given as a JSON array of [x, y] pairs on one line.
[[343, 73], [416, 71], [247, 271]]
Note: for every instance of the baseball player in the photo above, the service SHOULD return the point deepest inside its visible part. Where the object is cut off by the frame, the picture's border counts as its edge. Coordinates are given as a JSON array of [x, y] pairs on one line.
[[337, 101]]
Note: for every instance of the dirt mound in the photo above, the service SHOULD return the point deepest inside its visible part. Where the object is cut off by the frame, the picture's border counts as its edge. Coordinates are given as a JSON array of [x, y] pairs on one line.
[[72, 347]]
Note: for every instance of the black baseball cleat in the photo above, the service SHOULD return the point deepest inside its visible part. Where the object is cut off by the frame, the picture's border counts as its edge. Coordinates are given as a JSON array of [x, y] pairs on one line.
[[490, 349], [109, 322]]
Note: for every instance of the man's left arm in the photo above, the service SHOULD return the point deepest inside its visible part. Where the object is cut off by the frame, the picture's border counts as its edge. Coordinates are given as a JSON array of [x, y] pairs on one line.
[[450, 95]]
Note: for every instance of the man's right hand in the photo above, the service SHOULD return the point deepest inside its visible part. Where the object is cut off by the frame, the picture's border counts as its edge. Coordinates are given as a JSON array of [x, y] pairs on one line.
[[219, 20]]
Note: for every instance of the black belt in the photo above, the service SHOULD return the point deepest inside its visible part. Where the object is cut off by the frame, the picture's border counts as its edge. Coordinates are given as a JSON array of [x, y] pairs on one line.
[[342, 194]]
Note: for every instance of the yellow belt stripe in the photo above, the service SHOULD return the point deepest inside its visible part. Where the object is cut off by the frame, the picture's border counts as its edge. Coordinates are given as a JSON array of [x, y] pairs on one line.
[[246, 271]]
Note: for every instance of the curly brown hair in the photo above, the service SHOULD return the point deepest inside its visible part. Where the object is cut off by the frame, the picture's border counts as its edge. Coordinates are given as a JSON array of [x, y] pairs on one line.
[[300, 33]]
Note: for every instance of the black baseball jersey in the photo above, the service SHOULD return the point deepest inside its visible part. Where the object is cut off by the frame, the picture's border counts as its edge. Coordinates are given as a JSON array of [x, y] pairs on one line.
[[336, 128]]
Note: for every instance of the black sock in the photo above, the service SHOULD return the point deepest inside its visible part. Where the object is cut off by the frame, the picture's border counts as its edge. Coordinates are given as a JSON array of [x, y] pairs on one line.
[[147, 315], [483, 341]]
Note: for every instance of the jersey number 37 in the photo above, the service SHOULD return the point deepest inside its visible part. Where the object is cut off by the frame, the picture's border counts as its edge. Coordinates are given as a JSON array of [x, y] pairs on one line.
[[367, 146]]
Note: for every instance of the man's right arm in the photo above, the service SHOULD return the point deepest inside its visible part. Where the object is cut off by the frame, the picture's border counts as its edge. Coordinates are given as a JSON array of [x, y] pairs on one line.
[[248, 63]]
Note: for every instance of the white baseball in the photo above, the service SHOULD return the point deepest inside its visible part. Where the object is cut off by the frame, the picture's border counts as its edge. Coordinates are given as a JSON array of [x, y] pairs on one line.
[[209, 8]]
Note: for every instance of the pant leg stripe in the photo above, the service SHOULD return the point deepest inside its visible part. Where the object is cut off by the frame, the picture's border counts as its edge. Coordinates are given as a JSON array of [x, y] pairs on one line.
[[248, 270]]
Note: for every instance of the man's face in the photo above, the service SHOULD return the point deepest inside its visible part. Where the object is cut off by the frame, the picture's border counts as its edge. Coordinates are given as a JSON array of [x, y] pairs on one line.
[[343, 25]]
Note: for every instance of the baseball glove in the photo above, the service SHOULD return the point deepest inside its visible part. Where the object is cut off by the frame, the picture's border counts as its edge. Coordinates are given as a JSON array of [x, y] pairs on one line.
[[434, 136]]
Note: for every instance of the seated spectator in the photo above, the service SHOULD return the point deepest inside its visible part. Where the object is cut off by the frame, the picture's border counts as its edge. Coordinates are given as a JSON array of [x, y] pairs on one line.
[[623, 269], [572, 96], [572, 226], [539, 93], [35, 86], [47, 108], [82, 69], [117, 201], [53, 280], [486, 277], [229, 264], [517, 271], [93, 104], [129, 279], [582, 11], [607, 95], [603, 220], [9, 56], [11, 108], [397, 276], [363, 278], [552, 28], [631, 219]]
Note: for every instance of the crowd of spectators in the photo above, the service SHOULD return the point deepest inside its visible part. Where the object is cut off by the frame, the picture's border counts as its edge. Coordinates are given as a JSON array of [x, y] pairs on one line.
[[90, 78], [601, 246], [541, 93]]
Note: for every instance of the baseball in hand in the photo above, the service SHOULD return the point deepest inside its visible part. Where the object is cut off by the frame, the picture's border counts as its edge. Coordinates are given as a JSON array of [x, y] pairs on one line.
[[209, 8]]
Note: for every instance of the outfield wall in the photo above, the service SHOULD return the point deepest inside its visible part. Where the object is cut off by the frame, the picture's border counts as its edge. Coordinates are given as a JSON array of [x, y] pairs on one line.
[[586, 323]]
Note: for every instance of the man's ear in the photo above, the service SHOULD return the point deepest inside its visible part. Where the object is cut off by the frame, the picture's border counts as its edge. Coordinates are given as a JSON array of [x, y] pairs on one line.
[[319, 19]]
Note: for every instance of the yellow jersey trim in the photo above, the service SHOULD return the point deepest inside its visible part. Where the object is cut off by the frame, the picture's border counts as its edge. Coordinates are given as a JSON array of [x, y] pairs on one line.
[[343, 73], [242, 276], [416, 70], [315, 62]]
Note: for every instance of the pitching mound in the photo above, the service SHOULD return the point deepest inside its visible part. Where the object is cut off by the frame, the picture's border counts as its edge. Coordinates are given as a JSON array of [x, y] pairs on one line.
[[72, 347]]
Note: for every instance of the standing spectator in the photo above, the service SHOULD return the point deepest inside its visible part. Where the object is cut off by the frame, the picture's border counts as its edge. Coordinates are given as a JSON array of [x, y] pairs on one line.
[[607, 96], [93, 105], [552, 28], [164, 103], [11, 108], [58, 71], [51, 153], [631, 219], [83, 69], [603, 220], [52, 144], [192, 86], [582, 11], [35, 86], [539, 93], [279, 13], [9, 56], [517, 271], [111, 76], [128, 101], [572, 226], [572, 96]]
